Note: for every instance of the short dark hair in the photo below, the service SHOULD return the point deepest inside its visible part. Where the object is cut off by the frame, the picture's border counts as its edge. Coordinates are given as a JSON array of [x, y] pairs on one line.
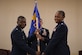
[[21, 17], [62, 13]]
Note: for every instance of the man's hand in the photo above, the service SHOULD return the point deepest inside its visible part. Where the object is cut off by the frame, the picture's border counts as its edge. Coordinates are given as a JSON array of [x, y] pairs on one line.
[[40, 37], [37, 31], [37, 53]]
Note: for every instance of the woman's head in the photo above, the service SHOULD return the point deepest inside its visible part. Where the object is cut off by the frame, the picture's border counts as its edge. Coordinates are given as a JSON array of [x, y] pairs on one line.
[[59, 16]]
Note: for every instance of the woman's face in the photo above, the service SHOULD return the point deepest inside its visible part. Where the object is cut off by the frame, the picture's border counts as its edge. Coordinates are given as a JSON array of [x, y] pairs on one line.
[[58, 17]]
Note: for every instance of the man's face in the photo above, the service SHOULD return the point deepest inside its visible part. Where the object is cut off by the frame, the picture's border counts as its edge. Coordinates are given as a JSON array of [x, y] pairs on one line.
[[21, 23], [58, 17], [41, 22]]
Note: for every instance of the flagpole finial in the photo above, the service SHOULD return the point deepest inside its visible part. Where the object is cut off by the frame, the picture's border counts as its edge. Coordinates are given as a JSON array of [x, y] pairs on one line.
[[35, 1]]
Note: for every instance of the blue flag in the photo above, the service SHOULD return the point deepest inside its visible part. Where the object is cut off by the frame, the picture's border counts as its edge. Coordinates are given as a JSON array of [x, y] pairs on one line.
[[33, 22]]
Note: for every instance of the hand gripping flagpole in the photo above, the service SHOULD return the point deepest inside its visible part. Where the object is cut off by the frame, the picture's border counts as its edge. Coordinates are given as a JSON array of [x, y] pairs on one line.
[[38, 41]]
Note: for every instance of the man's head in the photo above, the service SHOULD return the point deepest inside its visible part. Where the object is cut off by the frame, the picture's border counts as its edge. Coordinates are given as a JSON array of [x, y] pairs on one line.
[[21, 21], [59, 16]]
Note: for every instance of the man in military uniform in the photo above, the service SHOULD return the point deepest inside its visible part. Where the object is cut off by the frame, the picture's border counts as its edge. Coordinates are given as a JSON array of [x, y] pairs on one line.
[[19, 40], [43, 35], [58, 43]]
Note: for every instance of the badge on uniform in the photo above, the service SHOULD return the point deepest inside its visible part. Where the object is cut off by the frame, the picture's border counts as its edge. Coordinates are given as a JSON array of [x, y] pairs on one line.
[[16, 28], [62, 23], [23, 37], [44, 32]]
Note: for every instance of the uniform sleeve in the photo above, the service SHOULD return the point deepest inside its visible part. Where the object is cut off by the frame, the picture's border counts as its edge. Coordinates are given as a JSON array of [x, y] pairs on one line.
[[20, 43], [60, 31], [31, 37]]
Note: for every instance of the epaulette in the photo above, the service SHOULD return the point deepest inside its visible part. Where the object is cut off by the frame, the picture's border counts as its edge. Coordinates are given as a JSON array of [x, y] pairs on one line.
[[62, 23], [16, 28]]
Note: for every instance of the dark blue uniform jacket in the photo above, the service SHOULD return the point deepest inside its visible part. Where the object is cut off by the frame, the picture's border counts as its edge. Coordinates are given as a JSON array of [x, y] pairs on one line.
[[58, 43], [19, 43]]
